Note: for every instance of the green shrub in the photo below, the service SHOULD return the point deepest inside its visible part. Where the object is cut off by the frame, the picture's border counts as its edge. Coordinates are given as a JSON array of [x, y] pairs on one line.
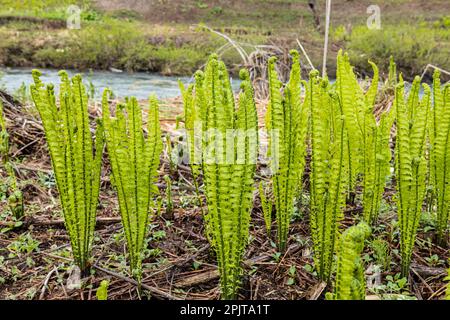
[[413, 47]]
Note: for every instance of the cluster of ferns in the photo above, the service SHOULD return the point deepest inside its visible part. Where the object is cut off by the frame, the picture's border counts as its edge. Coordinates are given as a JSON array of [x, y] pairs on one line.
[[77, 163], [331, 124]]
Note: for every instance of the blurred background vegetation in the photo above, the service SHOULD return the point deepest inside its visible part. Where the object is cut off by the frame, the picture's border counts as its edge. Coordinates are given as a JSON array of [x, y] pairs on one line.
[[164, 36]]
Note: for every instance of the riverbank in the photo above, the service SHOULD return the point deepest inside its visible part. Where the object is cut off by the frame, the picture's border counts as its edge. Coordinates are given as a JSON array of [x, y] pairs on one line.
[[166, 36]]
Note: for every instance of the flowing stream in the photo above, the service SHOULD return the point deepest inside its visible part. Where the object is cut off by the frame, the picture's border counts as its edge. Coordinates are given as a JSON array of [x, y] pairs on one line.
[[138, 84]]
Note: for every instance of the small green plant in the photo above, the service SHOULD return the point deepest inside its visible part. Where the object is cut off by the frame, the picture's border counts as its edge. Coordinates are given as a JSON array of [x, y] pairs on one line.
[[76, 162], [134, 162], [194, 120], [291, 273], [15, 196], [349, 282], [169, 203], [396, 283], [381, 253], [434, 260], [410, 164], [102, 291]]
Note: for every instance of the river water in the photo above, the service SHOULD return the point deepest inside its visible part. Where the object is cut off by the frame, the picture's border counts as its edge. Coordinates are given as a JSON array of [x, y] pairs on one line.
[[138, 84]]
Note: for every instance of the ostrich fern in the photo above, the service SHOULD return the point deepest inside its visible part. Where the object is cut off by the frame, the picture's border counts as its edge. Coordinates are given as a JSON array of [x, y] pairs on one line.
[[194, 108], [352, 101], [134, 162], [410, 163], [368, 151], [349, 283], [15, 195], [287, 123], [328, 178], [229, 164], [77, 167], [376, 152], [439, 137]]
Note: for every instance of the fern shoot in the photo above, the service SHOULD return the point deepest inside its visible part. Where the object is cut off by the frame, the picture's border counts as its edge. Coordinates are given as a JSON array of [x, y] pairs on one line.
[[76, 160], [229, 162], [287, 124], [439, 138], [349, 282], [134, 162], [376, 152], [328, 178], [266, 206], [352, 101], [15, 195], [410, 164]]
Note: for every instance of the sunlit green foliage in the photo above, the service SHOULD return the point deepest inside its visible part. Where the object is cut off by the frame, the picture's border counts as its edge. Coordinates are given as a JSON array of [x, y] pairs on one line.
[[287, 125], [229, 162], [410, 163], [352, 102], [439, 138], [376, 152], [329, 176], [368, 147], [15, 196], [76, 161], [266, 206], [350, 282], [134, 161]]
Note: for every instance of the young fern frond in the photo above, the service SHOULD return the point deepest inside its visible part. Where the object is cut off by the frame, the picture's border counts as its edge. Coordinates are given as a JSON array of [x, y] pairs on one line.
[[376, 152], [229, 164], [352, 100], [266, 206], [349, 282], [439, 137], [77, 167], [193, 122], [287, 123], [134, 163], [328, 178], [15, 195], [410, 163]]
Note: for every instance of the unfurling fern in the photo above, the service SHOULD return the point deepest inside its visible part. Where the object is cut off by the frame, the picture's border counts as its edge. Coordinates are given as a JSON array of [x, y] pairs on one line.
[[287, 124], [77, 167], [328, 178], [194, 108], [134, 162], [266, 206], [350, 283], [376, 152], [352, 101], [229, 164], [15, 195], [439, 137], [410, 163]]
